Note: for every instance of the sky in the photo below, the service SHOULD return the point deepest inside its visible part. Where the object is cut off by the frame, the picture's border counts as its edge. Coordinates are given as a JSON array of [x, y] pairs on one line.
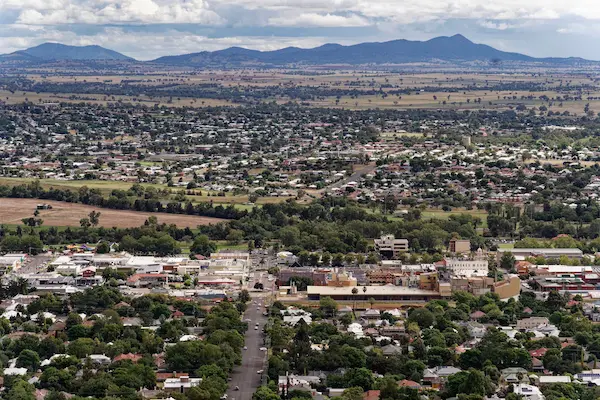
[[147, 29]]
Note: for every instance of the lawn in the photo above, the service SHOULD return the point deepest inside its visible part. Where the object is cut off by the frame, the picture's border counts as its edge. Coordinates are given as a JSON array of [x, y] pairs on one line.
[[105, 186], [224, 245], [440, 214], [509, 246]]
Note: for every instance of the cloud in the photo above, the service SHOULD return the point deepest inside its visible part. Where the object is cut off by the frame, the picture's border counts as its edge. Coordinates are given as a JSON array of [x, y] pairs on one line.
[[497, 25], [427, 10], [120, 12], [320, 20]]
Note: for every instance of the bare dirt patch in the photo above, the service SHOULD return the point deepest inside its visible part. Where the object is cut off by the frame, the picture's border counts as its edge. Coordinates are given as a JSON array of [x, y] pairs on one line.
[[69, 214]]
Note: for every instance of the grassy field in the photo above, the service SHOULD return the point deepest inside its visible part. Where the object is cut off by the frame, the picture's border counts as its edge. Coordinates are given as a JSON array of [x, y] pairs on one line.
[[506, 246], [435, 213], [224, 245], [106, 187]]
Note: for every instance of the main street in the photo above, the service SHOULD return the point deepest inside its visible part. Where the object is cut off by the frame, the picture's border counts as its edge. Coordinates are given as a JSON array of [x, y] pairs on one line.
[[253, 359]]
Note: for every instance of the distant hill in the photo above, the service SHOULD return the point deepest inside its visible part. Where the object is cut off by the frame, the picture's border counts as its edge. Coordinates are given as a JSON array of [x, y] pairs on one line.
[[456, 48], [443, 49], [58, 52]]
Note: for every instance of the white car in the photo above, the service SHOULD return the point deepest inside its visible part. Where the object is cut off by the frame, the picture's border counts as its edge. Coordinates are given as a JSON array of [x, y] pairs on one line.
[[256, 328], [260, 371], [224, 396], [263, 349], [245, 347]]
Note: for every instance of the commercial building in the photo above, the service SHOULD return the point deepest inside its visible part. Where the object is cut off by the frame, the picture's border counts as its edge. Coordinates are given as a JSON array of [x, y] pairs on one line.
[[458, 267], [459, 246], [567, 283], [390, 247], [341, 279], [378, 293], [480, 285], [231, 255], [521, 254], [318, 276]]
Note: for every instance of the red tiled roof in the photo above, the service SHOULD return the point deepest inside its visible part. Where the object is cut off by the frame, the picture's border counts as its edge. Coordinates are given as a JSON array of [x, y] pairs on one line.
[[371, 395], [410, 384], [129, 356], [538, 352]]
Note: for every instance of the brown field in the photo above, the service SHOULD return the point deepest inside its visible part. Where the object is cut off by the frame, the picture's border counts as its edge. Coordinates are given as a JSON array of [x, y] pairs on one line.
[[20, 97], [340, 79], [69, 214]]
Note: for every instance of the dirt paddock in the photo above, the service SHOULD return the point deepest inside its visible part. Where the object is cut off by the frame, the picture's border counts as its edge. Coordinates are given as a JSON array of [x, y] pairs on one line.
[[69, 214]]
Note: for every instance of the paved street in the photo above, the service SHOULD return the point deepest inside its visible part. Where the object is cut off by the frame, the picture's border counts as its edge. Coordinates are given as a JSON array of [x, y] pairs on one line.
[[246, 376], [35, 264], [359, 172]]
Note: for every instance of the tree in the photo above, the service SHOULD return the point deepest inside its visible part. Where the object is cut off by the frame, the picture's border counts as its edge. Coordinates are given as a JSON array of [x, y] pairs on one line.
[[73, 319], [244, 296], [353, 393], [361, 377], [507, 261], [555, 301], [94, 217], [354, 293], [202, 245], [346, 319], [103, 247], [471, 382], [328, 306], [81, 348], [85, 223], [22, 390], [388, 388], [234, 236], [264, 393], [55, 395], [422, 317], [28, 359]]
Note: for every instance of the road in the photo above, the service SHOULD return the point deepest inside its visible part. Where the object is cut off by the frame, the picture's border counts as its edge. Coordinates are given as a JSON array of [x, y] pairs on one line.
[[359, 172], [35, 264], [253, 359]]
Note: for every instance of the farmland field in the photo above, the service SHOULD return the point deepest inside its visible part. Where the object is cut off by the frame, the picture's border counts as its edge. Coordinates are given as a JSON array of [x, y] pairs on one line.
[[416, 89], [69, 214]]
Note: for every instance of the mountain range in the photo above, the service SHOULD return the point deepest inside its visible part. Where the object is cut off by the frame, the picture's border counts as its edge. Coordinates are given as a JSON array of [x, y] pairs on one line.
[[61, 52], [443, 49]]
